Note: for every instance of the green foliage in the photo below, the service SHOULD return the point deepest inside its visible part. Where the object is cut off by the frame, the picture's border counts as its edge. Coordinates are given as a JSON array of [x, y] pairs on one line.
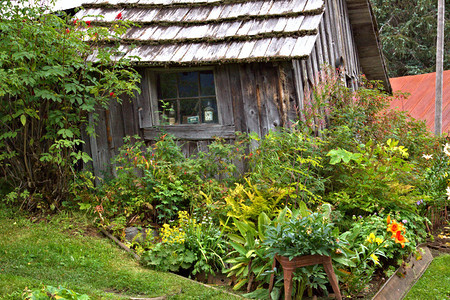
[[168, 257], [349, 118], [434, 181], [309, 278], [198, 247], [47, 89], [368, 245], [374, 177], [252, 256], [297, 236], [248, 259], [408, 31], [152, 184], [291, 160], [247, 202], [50, 292]]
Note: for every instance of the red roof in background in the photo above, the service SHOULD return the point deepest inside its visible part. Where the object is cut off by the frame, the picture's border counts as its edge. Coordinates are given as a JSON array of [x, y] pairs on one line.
[[420, 104]]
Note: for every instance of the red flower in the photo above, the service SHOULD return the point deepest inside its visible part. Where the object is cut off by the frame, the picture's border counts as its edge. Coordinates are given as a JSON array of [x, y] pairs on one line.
[[111, 94], [119, 16], [88, 23], [75, 21], [67, 30]]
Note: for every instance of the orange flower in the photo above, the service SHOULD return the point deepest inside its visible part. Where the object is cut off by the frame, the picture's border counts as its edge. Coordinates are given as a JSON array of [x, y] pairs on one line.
[[394, 227], [388, 219], [400, 239]]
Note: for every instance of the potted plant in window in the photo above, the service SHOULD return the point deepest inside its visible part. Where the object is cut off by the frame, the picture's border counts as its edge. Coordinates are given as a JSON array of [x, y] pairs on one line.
[[302, 241]]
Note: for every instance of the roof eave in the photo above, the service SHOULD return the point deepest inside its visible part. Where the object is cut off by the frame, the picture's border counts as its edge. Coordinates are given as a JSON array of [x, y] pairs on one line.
[[365, 31]]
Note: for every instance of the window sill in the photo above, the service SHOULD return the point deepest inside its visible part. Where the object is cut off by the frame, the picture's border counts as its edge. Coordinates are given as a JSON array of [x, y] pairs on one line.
[[191, 132]]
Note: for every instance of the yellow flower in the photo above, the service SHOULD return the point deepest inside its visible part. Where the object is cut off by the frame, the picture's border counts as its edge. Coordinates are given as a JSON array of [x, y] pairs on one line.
[[378, 241], [371, 238], [375, 258]]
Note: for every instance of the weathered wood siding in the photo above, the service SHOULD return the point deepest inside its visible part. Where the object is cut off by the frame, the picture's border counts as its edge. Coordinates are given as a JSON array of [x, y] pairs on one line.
[[334, 42], [111, 126], [251, 97]]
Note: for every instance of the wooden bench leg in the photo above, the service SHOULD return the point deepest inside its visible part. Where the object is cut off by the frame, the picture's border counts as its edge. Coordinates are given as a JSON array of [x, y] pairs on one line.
[[272, 277], [332, 277], [288, 274]]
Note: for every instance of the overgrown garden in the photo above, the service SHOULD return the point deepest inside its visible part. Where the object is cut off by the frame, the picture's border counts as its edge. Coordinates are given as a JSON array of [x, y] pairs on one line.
[[366, 190]]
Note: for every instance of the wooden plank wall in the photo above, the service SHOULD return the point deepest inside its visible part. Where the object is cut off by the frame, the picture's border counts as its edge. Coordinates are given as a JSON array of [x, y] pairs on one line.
[[111, 126], [334, 40]]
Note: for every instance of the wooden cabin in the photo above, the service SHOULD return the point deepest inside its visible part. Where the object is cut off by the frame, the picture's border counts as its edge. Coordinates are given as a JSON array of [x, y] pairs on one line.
[[213, 67]]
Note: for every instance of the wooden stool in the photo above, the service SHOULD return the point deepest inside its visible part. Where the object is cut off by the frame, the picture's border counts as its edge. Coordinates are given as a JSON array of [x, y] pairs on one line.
[[289, 267]]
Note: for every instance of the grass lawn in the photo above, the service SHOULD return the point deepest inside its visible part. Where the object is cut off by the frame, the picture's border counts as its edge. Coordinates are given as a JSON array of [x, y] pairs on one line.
[[58, 252], [434, 283]]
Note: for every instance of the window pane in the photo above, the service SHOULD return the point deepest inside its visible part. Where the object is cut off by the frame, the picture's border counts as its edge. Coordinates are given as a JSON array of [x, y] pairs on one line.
[[190, 111], [167, 85], [207, 83], [188, 85], [209, 111], [168, 112]]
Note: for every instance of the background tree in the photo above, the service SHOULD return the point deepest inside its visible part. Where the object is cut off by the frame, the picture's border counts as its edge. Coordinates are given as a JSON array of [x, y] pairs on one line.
[[408, 30], [47, 88]]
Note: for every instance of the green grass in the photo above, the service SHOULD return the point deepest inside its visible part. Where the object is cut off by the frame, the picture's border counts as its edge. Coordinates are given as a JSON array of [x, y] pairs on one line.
[[434, 283], [57, 252]]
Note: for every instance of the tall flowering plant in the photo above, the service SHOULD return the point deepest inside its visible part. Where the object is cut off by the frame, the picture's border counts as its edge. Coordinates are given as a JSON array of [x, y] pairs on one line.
[[435, 184], [363, 255]]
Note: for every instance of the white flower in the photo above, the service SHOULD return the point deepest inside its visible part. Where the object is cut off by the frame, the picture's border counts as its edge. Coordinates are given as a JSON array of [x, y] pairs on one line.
[[447, 149], [448, 192], [427, 156]]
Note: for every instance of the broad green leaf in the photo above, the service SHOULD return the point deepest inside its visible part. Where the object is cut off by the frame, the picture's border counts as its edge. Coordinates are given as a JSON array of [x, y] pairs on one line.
[[238, 248], [240, 284], [23, 119]]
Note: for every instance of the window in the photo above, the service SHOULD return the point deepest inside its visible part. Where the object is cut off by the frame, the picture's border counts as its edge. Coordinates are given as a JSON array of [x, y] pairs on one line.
[[191, 104], [187, 98]]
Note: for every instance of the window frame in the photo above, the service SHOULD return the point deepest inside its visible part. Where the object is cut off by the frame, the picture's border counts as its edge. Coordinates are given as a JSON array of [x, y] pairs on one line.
[[149, 116], [178, 99]]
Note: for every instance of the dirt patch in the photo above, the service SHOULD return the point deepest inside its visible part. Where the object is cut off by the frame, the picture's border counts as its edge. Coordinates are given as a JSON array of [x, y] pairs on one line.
[[440, 243]]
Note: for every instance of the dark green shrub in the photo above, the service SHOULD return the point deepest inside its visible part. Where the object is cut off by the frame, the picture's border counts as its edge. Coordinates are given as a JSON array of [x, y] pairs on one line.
[[47, 89]]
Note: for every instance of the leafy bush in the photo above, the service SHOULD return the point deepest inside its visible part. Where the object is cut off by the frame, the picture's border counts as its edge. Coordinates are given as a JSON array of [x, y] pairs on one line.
[[152, 184], [369, 244], [309, 235], [48, 87], [375, 176], [291, 160]]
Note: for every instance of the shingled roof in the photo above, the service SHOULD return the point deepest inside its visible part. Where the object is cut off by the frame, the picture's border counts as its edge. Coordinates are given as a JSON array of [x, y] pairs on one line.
[[210, 31], [192, 32]]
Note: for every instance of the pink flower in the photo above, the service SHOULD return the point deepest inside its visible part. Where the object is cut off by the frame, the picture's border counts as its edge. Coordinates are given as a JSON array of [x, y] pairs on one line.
[[119, 16]]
